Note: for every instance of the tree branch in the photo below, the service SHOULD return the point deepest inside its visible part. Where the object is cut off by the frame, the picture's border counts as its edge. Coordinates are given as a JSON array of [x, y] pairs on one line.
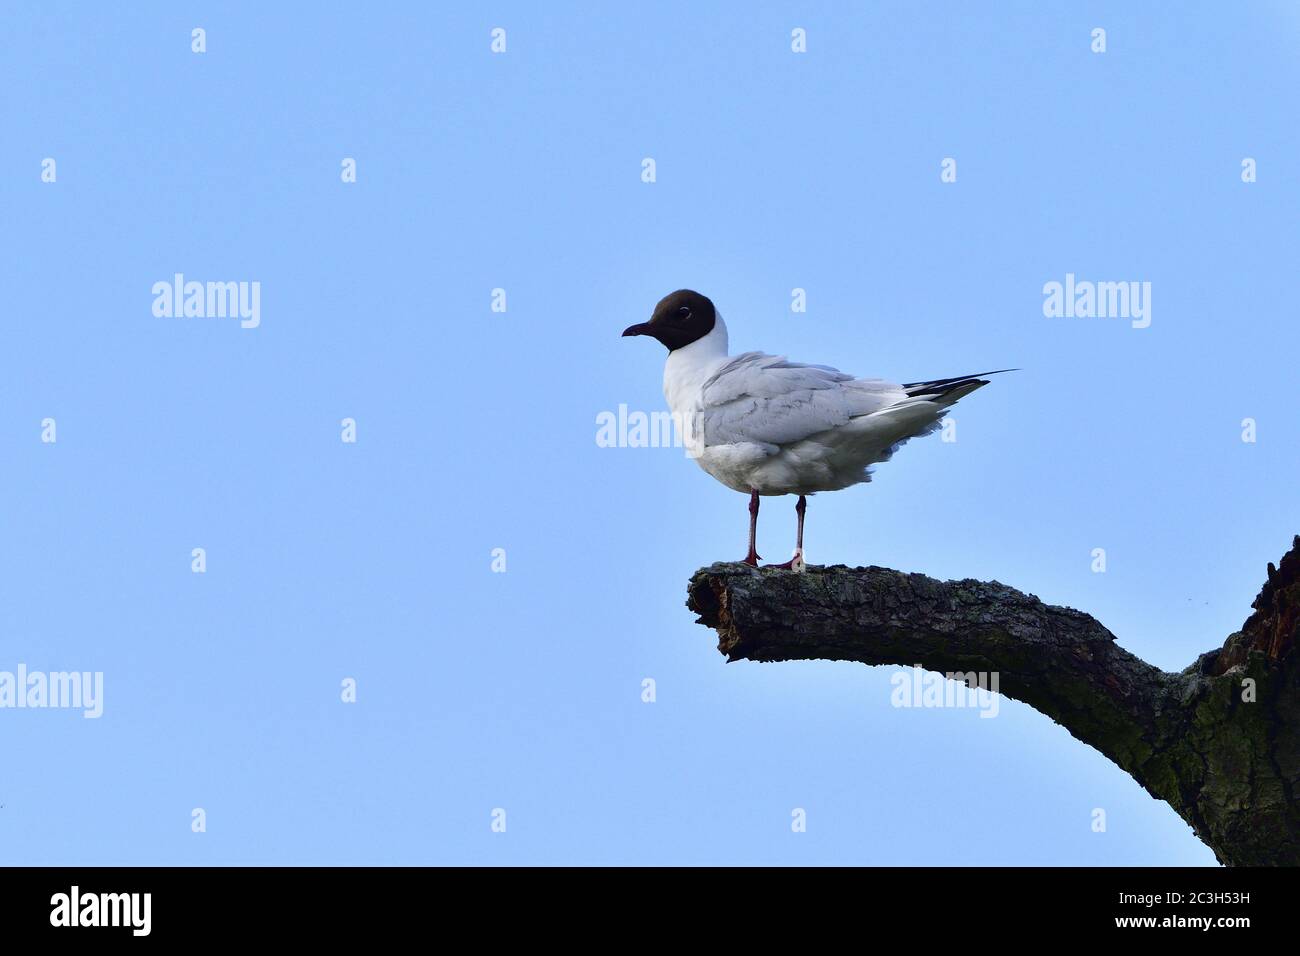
[[1224, 753]]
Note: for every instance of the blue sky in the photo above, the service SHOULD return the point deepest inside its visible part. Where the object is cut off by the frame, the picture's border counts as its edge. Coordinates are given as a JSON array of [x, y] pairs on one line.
[[476, 429]]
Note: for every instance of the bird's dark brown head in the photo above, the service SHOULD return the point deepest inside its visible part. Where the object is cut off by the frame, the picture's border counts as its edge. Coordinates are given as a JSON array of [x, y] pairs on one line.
[[680, 318]]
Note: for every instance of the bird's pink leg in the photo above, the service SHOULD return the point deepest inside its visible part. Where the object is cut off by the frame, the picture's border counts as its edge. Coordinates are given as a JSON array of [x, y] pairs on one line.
[[797, 560], [752, 558]]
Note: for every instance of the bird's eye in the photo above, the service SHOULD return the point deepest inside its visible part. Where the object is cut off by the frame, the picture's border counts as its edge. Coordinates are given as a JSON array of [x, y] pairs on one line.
[[683, 313]]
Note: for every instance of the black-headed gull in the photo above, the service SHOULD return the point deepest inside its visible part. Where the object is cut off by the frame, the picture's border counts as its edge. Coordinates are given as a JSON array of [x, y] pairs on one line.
[[764, 425]]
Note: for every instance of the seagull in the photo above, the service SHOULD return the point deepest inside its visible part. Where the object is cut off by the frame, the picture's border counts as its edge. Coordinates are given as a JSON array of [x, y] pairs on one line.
[[763, 425]]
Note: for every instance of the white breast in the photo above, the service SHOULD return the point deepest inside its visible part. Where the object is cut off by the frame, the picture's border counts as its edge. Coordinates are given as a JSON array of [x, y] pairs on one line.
[[688, 368], [685, 373]]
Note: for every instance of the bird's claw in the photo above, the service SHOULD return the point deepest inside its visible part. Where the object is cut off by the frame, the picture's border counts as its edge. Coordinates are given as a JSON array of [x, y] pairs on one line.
[[795, 564]]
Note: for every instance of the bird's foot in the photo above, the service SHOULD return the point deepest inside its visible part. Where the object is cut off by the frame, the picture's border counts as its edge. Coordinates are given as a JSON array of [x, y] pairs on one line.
[[794, 564], [751, 559]]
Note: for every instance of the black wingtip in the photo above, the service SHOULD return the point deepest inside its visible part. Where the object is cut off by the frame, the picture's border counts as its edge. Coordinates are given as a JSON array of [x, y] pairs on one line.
[[944, 384]]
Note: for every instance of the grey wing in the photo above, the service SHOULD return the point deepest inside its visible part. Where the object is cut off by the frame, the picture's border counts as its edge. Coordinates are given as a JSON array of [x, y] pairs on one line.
[[770, 400]]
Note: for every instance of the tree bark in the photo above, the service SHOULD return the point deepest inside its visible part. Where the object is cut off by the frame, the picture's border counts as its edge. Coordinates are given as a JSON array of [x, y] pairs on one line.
[[1218, 741]]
